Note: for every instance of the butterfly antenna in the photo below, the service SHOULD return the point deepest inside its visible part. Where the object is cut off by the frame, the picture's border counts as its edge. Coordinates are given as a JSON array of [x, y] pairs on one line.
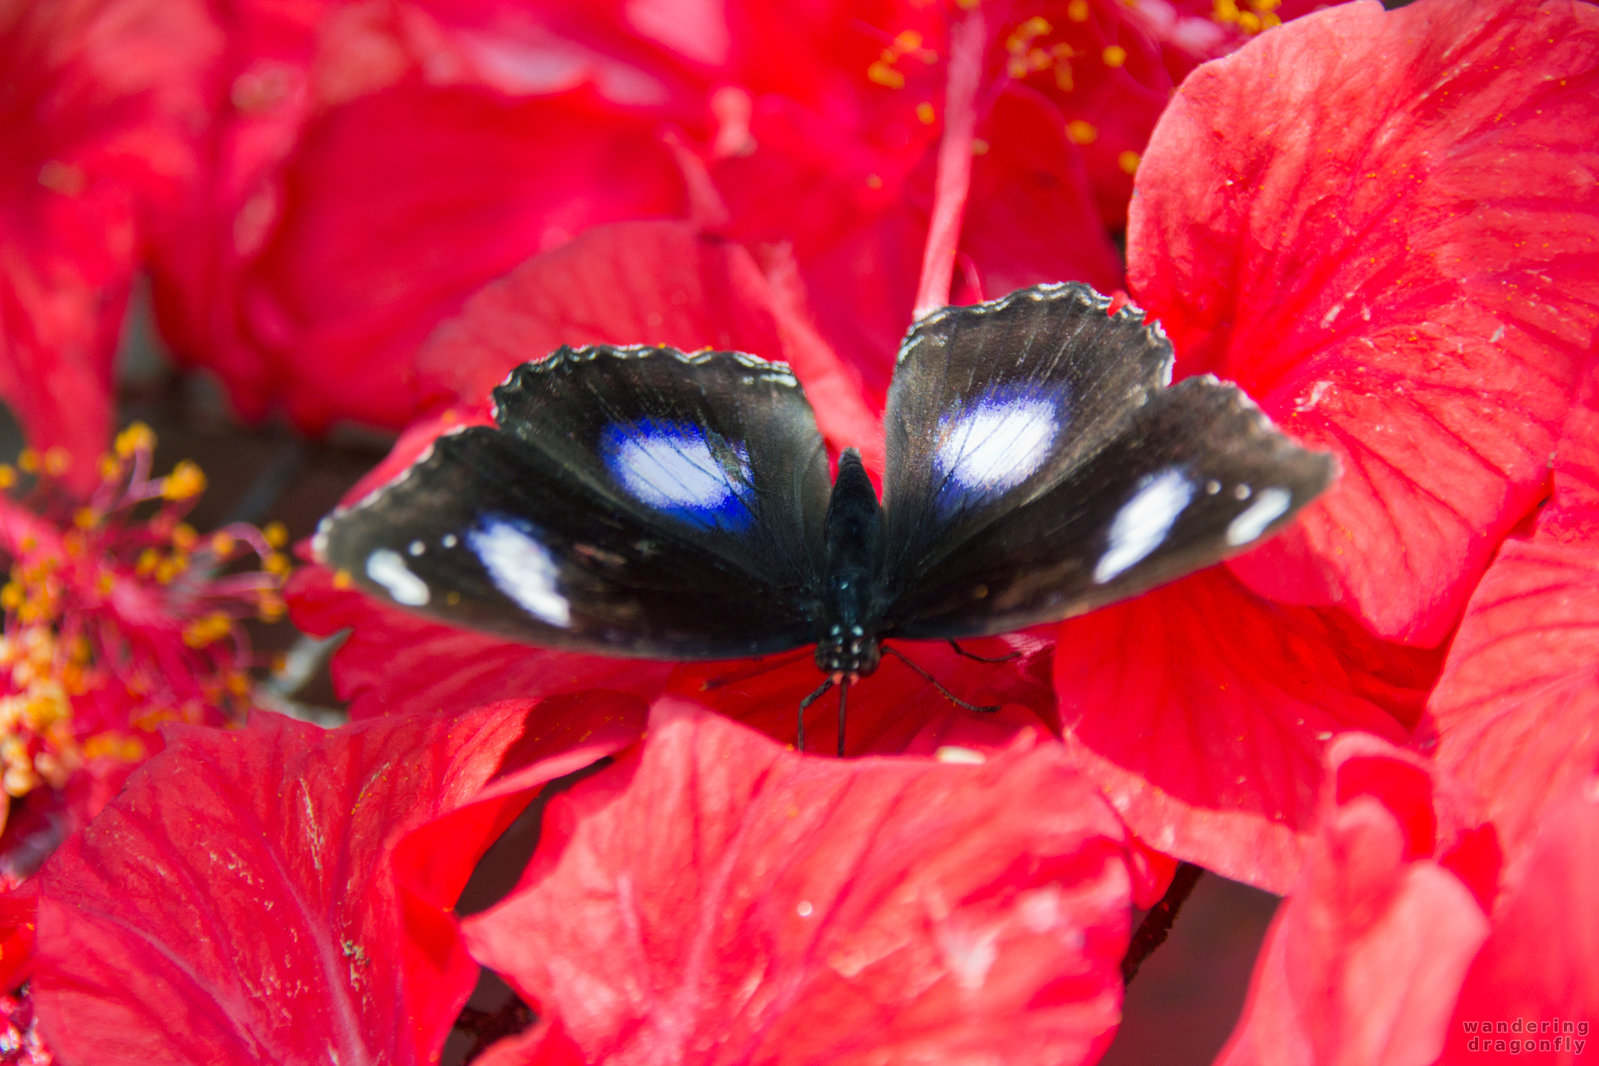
[[799, 740], [931, 680], [843, 695], [964, 654]]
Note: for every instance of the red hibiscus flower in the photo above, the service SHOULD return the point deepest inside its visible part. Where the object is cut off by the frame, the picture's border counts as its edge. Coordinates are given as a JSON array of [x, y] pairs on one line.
[[237, 901], [1155, 697], [826, 144], [116, 621], [714, 898], [1348, 244], [921, 907]]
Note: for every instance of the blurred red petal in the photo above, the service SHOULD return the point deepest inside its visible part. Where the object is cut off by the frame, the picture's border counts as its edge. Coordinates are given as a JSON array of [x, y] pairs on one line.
[[1535, 975], [1337, 216], [152, 945], [1514, 713], [1363, 962], [1202, 711], [399, 205], [712, 896], [396, 662], [101, 102]]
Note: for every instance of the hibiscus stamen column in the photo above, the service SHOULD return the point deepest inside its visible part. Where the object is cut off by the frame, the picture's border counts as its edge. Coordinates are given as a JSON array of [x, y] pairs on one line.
[[950, 188]]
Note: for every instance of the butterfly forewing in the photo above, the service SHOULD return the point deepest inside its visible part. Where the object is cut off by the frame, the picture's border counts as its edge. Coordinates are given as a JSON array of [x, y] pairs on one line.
[[632, 501], [1054, 471]]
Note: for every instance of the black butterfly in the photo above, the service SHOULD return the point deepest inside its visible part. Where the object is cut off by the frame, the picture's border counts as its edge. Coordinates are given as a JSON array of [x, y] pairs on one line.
[[646, 502]]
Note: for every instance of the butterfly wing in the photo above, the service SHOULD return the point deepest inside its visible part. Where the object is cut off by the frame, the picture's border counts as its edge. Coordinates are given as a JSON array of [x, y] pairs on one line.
[[628, 501], [1039, 465]]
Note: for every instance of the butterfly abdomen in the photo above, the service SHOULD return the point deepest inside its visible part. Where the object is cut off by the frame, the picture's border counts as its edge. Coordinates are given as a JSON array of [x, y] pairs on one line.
[[850, 609]]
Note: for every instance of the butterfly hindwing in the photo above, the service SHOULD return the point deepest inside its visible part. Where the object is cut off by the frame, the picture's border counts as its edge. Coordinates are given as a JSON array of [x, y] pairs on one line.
[[1057, 472], [630, 501]]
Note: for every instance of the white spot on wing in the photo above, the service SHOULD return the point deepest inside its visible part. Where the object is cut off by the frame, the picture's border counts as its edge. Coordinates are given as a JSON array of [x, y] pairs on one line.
[[1269, 506], [388, 569], [672, 467], [522, 568], [996, 443], [1144, 521]]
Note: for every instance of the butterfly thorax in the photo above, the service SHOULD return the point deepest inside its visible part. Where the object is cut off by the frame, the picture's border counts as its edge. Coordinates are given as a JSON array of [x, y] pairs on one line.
[[850, 608]]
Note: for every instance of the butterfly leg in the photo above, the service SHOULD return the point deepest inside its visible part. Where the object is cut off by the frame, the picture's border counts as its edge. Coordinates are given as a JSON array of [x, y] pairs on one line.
[[931, 680], [964, 654], [799, 741]]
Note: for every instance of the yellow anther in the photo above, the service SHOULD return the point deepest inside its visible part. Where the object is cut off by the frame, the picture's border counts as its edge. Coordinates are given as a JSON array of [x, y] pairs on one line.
[[979, 146], [1036, 26], [278, 565], [184, 483], [237, 683], [924, 113], [138, 437], [276, 534], [223, 542], [881, 73], [907, 41], [57, 461], [168, 569], [8, 475], [1080, 131], [85, 518], [342, 579], [148, 560], [874, 181], [184, 537], [108, 466], [104, 584], [1077, 10], [207, 630], [1225, 11], [28, 461], [1114, 55], [1128, 161], [11, 596], [271, 607]]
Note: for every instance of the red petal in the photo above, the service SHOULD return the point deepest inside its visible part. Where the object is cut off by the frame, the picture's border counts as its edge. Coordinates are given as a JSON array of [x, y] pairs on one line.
[[1514, 712], [431, 193], [716, 898], [1362, 964], [235, 901], [395, 662], [894, 710], [1202, 711], [641, 283], [1535, 974], [1337, 216]]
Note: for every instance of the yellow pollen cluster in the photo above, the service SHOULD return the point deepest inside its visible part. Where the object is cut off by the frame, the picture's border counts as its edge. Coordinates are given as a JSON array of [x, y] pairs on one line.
[[37, 746], [1025, 54], [1251, 17], [117, 614], [886, 70]]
